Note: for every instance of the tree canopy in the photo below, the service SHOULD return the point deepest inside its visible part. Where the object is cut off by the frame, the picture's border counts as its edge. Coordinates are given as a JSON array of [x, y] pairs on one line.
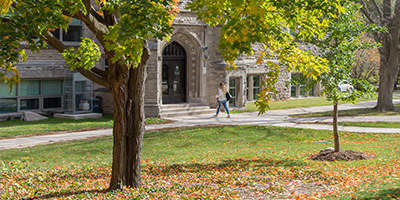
[[121, 29], [277, 25]]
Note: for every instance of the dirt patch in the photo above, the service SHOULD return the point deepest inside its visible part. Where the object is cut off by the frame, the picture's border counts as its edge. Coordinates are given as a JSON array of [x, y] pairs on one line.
[[343, 155]]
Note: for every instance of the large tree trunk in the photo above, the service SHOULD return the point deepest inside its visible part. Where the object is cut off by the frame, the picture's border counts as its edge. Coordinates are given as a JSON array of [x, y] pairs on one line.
[[129, 126], [335, 127], [389, 51], [388, 71], [388, 75], [389, 67]]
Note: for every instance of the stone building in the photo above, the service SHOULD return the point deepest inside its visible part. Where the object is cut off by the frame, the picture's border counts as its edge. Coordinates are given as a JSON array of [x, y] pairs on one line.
[[183, 74]]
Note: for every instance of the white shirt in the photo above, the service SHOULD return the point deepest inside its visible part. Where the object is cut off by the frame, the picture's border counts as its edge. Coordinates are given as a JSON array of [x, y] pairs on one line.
[[221, 96]]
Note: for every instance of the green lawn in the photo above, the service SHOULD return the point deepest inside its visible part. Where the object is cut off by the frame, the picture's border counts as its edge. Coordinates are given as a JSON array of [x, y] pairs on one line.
[[353, 112], [12, 128], [295, 103], [372, 124], [209, 163]]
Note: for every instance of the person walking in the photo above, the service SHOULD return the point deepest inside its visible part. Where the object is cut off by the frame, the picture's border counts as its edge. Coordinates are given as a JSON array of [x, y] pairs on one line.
[[221, 98]]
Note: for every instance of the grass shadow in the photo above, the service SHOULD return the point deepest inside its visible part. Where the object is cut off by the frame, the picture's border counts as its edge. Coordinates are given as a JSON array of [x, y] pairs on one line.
[[388, 194], [224, 165]]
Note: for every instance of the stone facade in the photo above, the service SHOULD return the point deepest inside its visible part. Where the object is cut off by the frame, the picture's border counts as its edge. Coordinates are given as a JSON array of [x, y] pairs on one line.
[[204, 68]]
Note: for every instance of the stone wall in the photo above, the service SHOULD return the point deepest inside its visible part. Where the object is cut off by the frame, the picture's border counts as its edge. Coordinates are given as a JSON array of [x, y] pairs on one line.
[[105, 98]]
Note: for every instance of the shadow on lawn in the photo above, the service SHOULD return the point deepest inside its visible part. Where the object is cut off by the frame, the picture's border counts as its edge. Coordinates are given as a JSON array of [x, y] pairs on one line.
[[391, 193], [225, 165]]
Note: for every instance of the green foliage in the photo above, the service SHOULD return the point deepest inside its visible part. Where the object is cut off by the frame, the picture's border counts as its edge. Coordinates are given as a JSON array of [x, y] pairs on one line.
[[353, 112], [140, 20], [86, 56], [338, 47], [249, 23]]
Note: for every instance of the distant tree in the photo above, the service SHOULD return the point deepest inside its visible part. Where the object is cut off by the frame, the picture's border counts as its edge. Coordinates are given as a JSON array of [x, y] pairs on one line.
[[385, 13], [366, 64]]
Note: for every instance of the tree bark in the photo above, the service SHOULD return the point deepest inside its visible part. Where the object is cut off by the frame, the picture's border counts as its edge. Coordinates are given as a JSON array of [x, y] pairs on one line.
[[129, 126], [388, 70], [389, 51], [335, 127]]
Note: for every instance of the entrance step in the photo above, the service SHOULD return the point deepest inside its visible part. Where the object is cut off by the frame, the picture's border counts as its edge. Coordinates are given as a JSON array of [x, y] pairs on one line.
[[184, 109]]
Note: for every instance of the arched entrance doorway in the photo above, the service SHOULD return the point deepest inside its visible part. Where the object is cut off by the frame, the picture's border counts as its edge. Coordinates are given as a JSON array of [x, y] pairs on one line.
[[174, 74]]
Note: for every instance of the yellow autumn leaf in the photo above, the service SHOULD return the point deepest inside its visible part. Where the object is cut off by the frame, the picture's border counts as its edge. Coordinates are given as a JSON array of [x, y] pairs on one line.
[[4, 6], [259, 61]]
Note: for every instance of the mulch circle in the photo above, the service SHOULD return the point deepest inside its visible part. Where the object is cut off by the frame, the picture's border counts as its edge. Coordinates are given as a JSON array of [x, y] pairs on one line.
[[342, 155]]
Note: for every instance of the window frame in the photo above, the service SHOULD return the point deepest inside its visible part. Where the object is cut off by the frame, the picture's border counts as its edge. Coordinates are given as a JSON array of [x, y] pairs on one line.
[[61, 32], [40, 97], [250, 96]]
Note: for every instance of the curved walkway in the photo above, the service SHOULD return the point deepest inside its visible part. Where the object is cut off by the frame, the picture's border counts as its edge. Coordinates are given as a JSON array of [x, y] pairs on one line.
[[271, 118]]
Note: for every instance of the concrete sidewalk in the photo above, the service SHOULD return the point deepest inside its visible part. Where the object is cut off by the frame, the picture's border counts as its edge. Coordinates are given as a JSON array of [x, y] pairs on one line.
[[271, 118]]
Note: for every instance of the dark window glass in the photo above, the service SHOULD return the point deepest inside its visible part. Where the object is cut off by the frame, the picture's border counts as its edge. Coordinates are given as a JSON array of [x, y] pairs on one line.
[[54, 102], [73, 34], [293, 91], [8, 105], [232, 91], [29, 104], [247, 88]]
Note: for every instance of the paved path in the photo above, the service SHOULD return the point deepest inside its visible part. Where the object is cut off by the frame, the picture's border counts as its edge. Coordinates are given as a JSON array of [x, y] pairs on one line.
[[271, 118]]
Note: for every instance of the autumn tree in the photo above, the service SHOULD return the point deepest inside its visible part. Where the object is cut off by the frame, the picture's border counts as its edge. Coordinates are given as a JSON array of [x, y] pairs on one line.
[[122, 27], [385, 13], [366, 63], [339, 47], [246, 23]]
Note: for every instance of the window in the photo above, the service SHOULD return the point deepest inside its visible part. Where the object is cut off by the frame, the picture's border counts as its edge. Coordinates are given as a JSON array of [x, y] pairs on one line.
[[73, 34], [53, 102], [5, 90], [247, 88], [256, 86], [232, 91], [28, 88], [8, 105], [253, 87], [51, 87], [299, 87], [29, 104], [31, 95]]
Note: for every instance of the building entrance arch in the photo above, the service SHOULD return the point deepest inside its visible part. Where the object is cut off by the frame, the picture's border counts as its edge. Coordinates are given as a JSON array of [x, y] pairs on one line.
[[173, 74]]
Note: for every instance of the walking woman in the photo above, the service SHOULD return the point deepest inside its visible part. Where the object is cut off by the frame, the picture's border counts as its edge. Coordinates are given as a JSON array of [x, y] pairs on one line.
[[221, 98]]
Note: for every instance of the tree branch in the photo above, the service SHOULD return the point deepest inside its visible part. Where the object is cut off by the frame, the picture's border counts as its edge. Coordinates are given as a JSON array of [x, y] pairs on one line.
[[54, 42], [368, 16], [98, 71], [93, 77], [377, 8], [60, 47], [387, 9], [366, 12], [396, 13]]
